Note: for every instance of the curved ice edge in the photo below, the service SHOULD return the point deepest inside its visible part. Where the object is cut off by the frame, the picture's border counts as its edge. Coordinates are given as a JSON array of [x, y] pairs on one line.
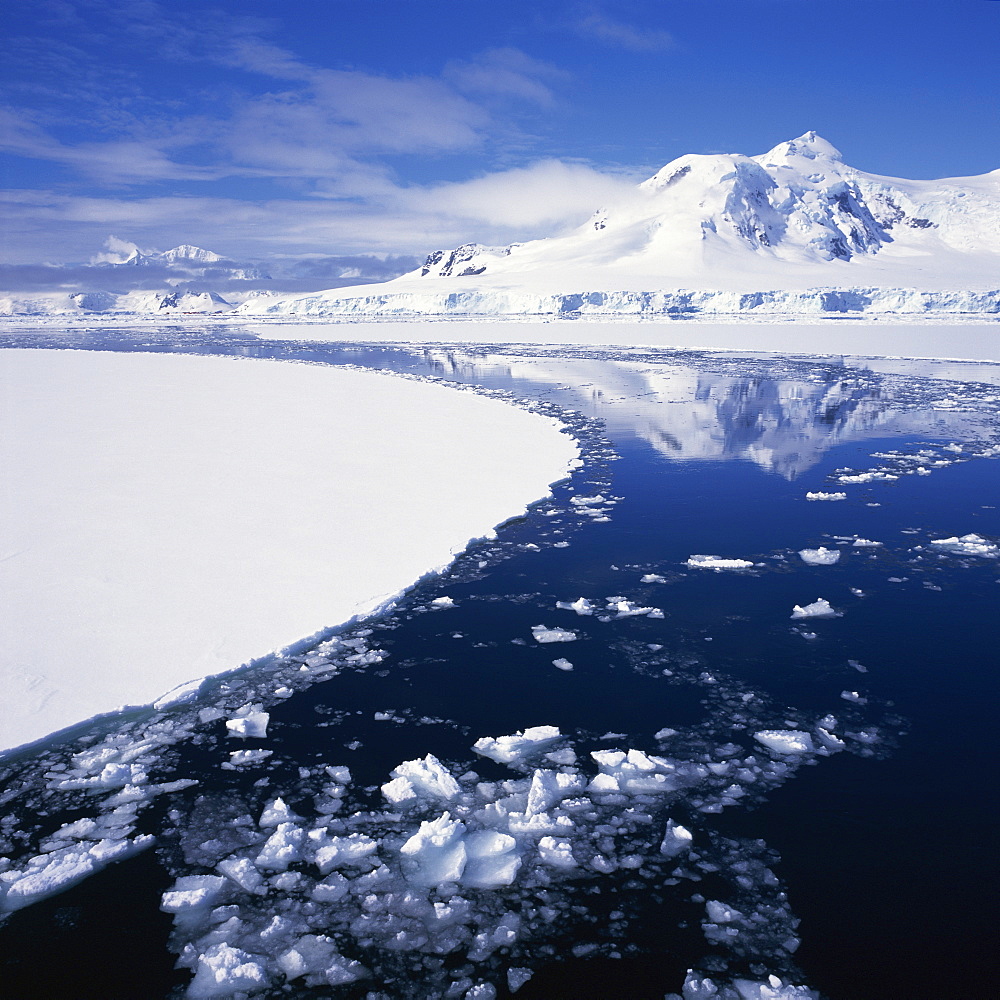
[[188, 691]]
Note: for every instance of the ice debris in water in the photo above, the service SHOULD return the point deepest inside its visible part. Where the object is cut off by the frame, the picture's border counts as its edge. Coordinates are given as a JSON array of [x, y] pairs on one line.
[[624, 608], [562, 664], [457, 877], [512, 749], [819, 557], [967, 545], [698, 988], [820, 608], [653, 578], [785, 740], [866, 543], [581, 606], [717, 563], [250, 721], [245, 758], [819, 495], [542, 633], [443, 602]]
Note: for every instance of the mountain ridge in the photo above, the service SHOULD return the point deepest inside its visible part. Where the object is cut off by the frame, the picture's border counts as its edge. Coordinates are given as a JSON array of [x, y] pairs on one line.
[[795, 222]]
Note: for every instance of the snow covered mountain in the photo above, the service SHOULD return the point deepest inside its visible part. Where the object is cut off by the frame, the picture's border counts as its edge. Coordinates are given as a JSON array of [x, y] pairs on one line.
[[792, 230], [184, 254], [191, 261]]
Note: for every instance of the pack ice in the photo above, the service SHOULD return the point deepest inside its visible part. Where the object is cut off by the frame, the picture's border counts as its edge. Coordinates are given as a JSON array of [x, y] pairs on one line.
[[482, 873]]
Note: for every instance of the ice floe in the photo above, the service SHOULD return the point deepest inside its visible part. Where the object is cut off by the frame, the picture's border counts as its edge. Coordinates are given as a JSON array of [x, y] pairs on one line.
[[820, 495], [148, 496], [788, 741], [820, 608], [544, 634], [819, 557], [717, 563], [967, 545]]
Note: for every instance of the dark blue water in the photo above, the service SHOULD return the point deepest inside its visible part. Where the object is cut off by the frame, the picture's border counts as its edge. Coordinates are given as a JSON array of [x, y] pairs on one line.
[[886, 852]]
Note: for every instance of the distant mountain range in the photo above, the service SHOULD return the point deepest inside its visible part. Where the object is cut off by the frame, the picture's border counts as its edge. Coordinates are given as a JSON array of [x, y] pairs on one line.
[[190, 261], [793, 230]]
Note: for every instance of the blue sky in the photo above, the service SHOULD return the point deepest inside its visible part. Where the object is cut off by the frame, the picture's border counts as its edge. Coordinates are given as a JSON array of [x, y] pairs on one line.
[[262, 129]]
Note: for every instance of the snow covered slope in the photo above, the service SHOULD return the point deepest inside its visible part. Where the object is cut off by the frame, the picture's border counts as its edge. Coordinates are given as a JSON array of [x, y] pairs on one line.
[[792, 230]]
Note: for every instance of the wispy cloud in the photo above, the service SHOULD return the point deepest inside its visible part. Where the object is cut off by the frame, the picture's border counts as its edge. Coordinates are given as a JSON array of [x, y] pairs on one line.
[[500, 207], [599, 26], [506, 73], [246, 147]]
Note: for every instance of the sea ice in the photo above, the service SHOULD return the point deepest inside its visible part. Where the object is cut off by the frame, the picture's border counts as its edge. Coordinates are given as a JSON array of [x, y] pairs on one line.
[[826, 496], [968, 545], [562, 663], [786, 741], [717, 563], [542, 633], [513, 749], [252, 725], [819, 557], [135, 497], [820, 608], [866, 543], [581, 606]]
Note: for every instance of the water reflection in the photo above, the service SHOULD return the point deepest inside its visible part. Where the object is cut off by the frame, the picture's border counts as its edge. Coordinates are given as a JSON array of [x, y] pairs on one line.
[[783, 425]]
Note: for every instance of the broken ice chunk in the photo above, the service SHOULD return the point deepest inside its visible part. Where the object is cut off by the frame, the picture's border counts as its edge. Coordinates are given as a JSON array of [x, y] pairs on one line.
[[826, 496], [191, 892], [509, 749], [787, 741], [581, 606], [543, 634], [224, 971], [676, 840], [653, 578], [251, 725], [245, 758], [557, 853], [820, 608], [443, 602], [282, 848], [436, 852], [819, 557], [717, 563], [562, 664], [866, 543], [351, 851], [968, 545], [427, 777], [491, 861], [624, 608], [276, 812]]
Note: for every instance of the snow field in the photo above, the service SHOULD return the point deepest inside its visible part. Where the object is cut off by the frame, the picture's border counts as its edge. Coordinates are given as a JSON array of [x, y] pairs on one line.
[[167, 517]]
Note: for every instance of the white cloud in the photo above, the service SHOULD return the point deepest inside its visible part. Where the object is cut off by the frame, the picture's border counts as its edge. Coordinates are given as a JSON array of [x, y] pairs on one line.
[[502, 207], [506, 72], [599, 26], [118, 251], [547, 195]]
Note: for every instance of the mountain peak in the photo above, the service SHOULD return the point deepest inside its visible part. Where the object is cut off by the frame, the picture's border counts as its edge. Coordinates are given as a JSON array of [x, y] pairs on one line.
[[187, 252], [809, 145]]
